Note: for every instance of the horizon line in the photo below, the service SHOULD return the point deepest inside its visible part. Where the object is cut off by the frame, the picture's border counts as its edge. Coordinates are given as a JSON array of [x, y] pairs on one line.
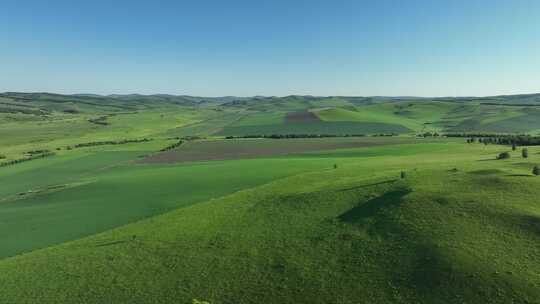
[[270, 96]]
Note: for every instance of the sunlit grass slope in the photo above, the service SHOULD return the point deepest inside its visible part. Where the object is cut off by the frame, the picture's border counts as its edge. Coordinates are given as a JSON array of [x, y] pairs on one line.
[[460, 228], [49, 201]]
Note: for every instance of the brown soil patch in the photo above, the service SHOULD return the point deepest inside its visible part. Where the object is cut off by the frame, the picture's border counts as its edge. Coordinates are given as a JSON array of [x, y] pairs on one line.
[[254, 148], [301, 117]]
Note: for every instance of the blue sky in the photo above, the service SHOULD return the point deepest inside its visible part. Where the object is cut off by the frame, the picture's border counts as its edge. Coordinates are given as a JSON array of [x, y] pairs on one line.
[[244, 48]]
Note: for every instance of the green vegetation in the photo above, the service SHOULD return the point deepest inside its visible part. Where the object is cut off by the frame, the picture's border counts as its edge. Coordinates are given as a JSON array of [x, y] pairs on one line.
[[25, 159], [330, 128], [152, 204], [501, 139], [433, 237], [110, 142], [172, 146], [503, 155]]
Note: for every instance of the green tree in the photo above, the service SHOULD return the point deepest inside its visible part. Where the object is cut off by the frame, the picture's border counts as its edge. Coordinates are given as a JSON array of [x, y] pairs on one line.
[[525, 153], [536, 170], [513, 146], [403, 174]]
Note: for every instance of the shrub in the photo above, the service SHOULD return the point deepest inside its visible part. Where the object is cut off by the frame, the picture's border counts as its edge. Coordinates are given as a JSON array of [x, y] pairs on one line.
[[403, 174], [536, 170], [513, 146], [525, 153], [504, 155], [2, 156], [335, 166]]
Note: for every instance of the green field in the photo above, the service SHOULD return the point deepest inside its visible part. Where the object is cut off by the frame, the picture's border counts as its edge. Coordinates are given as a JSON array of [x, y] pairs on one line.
[[370, 219]]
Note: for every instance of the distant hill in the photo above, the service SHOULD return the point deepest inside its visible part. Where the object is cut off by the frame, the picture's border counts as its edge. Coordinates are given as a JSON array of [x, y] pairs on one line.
[[259, 115]]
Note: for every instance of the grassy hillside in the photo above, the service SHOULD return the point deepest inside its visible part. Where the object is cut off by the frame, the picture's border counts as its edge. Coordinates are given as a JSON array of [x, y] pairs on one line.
[[93, 211], [459, 228], [65, 197]]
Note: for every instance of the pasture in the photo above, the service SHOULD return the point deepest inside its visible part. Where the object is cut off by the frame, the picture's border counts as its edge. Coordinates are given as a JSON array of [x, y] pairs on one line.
[[376, 219], [460, 226]]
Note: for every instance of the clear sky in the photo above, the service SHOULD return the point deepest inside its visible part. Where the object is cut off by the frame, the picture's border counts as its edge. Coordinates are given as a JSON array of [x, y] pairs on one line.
[[279, 47]]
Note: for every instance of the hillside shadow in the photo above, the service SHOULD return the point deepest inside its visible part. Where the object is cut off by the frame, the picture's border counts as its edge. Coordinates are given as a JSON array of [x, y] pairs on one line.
[[374, 206], [430, 270], [485, 172], [530, 223], [525, 222], [369, 185]]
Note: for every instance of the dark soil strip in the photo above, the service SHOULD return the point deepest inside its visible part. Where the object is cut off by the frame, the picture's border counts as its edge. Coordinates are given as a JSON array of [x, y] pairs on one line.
[[254, 148], [301, 117]]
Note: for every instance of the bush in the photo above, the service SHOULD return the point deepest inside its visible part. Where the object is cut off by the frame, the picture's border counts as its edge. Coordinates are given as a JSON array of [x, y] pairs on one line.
[[504, 155], [403, 174], [536, 170], [2, 156], [525, 153], [513, 146]]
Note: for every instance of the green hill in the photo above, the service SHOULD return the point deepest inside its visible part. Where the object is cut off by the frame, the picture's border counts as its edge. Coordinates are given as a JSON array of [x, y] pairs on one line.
[[456, 229], [153, 199]]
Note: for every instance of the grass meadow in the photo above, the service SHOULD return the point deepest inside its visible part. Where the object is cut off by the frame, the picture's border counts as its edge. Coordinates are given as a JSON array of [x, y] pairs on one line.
[[104, 217]]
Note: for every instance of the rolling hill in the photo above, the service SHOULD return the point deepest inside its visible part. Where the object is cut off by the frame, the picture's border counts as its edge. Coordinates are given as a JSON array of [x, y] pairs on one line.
[[456, 230], [180, 199]]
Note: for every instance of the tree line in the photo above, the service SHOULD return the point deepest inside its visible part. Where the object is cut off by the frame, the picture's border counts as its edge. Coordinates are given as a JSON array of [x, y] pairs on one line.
[[25, 159], [108, 142], [34, 152], [428, 134], [501, 139], [173, 146]]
